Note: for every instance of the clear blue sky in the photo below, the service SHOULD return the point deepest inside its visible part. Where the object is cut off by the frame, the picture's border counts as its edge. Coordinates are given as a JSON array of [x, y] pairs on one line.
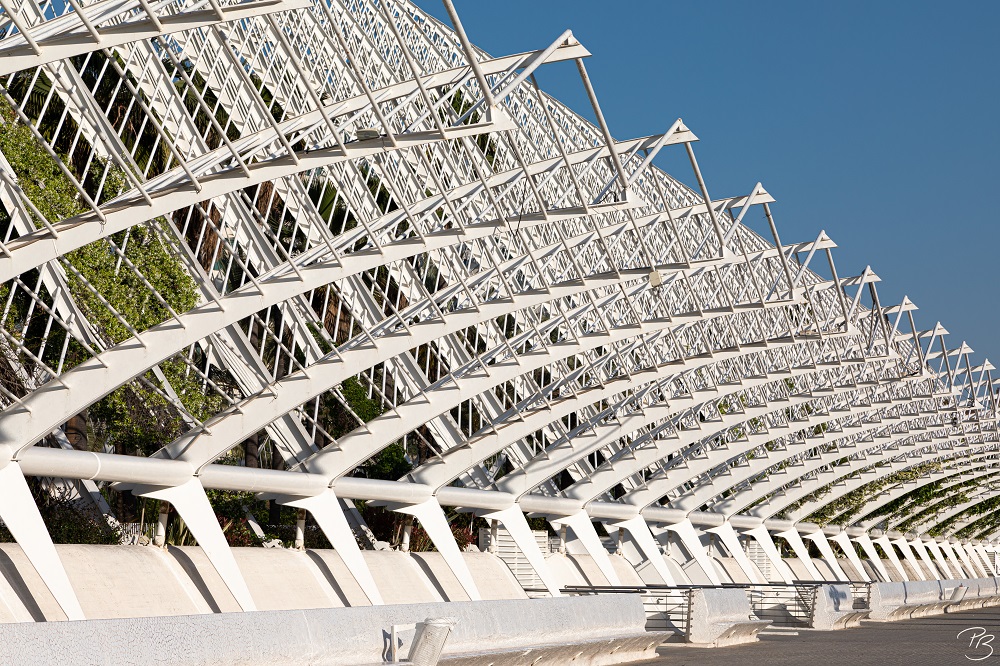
[[876, 121]]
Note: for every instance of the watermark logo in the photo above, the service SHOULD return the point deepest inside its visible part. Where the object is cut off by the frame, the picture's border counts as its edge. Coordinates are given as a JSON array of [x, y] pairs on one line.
[[980, 643]]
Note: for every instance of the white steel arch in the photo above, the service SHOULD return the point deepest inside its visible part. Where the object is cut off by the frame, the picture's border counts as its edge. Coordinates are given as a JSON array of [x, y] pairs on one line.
[[310, 195]]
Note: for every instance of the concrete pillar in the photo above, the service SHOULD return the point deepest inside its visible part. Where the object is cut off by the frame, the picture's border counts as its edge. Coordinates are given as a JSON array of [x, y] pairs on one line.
[[727, 535], [763, 537], [890, 553], [819, 538], [300, 530], [643, 538], [160, 536], [956, 564], [908, 555], [844, 541], [404, 544], [984, 556], [329, 514], [193, 506], [689, 537], [939, 561], [517, 527], [921, 550], [584, 531], [21, 516], [795, 541], [434, 522], [868, 546], [970, 561]]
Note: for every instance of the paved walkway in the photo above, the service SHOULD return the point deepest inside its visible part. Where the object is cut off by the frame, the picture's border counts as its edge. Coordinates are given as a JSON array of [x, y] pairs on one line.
[[932, 641]]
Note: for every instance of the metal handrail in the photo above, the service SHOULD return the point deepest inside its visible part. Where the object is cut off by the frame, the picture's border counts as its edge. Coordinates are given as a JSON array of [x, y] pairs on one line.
[[668, 606]]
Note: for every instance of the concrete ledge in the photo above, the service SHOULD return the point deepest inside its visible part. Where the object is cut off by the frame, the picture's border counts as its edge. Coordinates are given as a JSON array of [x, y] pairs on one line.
[[833, 608], [603, 629], [720, 617], [115, 582], [899, 601], [624, 650]]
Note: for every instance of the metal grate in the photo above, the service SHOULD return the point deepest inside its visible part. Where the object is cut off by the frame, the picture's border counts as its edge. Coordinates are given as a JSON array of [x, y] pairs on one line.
[[508, 551], [783, 605], [861, 594], [666, 610], [757, 555]]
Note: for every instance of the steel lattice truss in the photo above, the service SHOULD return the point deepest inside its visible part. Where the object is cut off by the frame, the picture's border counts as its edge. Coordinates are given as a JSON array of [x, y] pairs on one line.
[[546, 322]]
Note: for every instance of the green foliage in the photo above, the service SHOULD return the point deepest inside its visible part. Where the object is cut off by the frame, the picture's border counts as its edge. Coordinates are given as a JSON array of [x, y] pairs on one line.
[[989, 509], [136, 418], [67, 523], [388, 526], [356, 396], [914, 498], [842, 509], [38, 174], [123, 288], [390, 464], [484, 142]]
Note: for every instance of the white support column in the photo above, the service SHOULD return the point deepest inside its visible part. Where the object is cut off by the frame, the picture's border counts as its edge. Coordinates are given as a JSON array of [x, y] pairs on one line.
[[908, 555], [978, 560], [434, 522], [21, 516], [727, 535], [975, 571], [984, 556], [795, 541], [160, 535], [300, 530], [991, 549], [921, 550], [890, 553], [329, 515], [689, 537], [819, 538], [584, 530], [939, 560], [517, 526], [844, 541], [866, 544], [194, 508], [956, 565], [404, 542], [643, 538], [763, 537]]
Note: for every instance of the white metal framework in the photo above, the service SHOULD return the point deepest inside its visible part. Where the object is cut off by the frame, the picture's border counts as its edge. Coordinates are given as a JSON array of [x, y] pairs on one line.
[[359, 199]]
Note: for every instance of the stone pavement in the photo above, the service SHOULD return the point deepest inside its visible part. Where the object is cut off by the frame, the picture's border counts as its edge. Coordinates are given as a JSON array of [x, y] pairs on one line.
[[933, 641]]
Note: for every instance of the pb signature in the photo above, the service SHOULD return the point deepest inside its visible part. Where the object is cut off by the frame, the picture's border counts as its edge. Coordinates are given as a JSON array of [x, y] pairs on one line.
[[980, 643]]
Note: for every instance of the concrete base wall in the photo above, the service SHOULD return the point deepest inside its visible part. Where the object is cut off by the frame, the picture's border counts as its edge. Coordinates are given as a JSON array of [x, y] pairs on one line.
[[573, 569], [601, 629], [145, 581]]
